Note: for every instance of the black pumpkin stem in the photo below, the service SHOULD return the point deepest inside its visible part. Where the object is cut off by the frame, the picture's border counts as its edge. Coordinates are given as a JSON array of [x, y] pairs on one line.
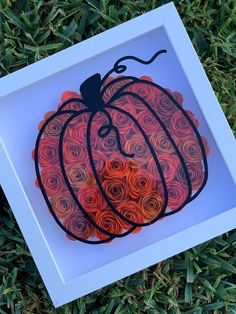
[[91, 92]]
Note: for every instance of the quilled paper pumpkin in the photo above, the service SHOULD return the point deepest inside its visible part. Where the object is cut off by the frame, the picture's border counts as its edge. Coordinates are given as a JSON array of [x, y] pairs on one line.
[[119, 156]]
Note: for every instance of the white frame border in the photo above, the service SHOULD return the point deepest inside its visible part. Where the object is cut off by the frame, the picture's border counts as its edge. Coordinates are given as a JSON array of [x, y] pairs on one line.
[[62, 292]]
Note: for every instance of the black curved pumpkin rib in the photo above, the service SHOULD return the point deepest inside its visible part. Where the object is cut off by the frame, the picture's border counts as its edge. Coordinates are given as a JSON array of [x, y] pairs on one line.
[[136, 80], [157, 164], [70, 101], [108, 129], [173, 144], [133, 226], [105, 87], [61, 159], [42, 186]]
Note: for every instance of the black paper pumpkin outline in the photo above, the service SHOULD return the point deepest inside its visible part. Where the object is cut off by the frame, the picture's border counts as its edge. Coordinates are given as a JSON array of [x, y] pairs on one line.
[[92, 91]]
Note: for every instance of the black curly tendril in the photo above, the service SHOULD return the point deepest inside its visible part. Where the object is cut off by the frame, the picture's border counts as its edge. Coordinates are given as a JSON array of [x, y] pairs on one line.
[[92, 91]]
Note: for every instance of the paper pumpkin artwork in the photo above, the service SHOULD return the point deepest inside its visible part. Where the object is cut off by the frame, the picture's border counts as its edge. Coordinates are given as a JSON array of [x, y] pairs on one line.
[[120, 155]]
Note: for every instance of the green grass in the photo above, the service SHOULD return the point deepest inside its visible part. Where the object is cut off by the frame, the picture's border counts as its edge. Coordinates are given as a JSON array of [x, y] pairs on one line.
[[201, 280]]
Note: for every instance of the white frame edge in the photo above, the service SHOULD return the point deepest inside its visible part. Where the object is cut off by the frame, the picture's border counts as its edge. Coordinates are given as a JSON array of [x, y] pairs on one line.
[[62, 292]]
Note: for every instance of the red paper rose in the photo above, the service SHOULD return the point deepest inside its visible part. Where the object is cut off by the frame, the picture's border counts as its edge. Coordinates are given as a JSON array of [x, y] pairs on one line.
[[79, 176], [52, 180], [177, 194], [195, 172], [169, 165], [122, 121], [181, 126], [136, 145], [91, 199], [148, 122], [161, 143], [113, 89], [75, 105], [47, 152], [115, 189], [63, 204], [164, 106], [178, 97], [191, 149], [77, 224], [73, 150], [145, 91], [98, 160]]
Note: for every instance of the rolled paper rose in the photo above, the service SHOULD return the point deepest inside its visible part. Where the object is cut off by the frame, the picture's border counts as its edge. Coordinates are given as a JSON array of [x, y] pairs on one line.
[[73, 150], [108, 221], [131, 211], [190, 149], [78, 130], [77, 224], [108, 144], [113, 89], [46, 116], [146, 78], [196, 174], [151, 205], [140, 183], [178, 97], [177, 194], [133, 164], [79, 176], [52, 180], [91, 199], [164, 106], [36, 183], [67, 94], [74, 105], [63, 204], [115, 189], [180, 126], [48, 152], [116, 166], [148, 122], [99, 119], [122, 121], [193, 118], [54, 127], [146, 91], [153, 171], [98, 160], [137, 145], [162, 144], [169, 165]]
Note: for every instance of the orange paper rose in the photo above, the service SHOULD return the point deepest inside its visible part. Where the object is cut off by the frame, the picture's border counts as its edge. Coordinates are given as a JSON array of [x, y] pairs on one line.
[[108, 221], [132, 212], [151, 205], [139, 183]]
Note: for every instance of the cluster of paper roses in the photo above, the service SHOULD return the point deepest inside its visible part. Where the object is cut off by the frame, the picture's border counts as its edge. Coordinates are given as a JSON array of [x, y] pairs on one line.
[[130, 185]]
